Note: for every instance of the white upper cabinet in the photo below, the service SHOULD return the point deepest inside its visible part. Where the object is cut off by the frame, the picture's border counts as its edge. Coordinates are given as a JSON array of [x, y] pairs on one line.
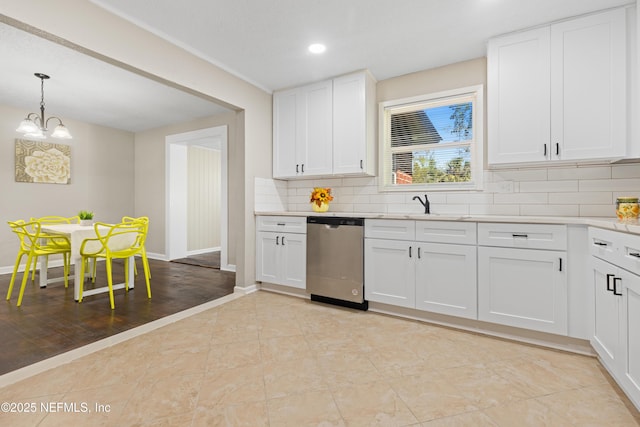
[[559, 92], [354, 117], [302, 124], [325, 129]]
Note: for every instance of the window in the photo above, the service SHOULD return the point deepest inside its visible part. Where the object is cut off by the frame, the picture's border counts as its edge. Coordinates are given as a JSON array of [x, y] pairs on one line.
[[433, 142]]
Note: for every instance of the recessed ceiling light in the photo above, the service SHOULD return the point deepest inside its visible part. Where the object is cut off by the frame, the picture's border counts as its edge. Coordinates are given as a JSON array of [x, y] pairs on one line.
[[317, 48]]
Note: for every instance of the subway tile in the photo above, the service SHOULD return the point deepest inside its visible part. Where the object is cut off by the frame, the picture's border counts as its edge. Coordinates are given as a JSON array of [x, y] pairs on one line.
[[494, 209], [608, 211], [500, 187], [624, 184], [461, 209], [360, 181], [548, 186], [471, 198], [595, 172], [625, 171], [386, 198], [520, 175], [550, 210], [521, 198], [585, 197], [369, 207], [404, 208]]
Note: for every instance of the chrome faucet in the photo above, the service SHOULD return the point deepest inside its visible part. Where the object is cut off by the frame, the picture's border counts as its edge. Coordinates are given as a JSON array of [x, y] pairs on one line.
[[424, 203]]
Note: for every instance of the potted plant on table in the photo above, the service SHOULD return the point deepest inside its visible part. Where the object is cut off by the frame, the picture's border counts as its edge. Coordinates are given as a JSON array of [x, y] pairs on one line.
[[86, 217]]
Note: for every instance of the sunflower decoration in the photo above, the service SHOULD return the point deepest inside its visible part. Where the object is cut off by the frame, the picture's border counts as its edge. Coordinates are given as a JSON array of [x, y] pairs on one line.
[[321, 195]]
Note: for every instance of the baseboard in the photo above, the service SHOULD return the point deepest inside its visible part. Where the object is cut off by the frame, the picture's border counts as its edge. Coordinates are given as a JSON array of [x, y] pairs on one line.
[[240, 290], [203, 251]]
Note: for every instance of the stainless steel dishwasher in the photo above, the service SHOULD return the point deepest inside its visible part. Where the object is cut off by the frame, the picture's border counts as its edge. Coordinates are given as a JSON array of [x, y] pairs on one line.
[[335, 261]]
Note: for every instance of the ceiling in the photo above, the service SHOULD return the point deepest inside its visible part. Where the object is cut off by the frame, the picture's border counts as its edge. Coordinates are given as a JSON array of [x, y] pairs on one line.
[[265, 43]]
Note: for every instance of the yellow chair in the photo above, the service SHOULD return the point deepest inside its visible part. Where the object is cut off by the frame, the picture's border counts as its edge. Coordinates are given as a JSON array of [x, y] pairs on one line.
[[116, 241], [35, 244], [52, 220], [144, 219]]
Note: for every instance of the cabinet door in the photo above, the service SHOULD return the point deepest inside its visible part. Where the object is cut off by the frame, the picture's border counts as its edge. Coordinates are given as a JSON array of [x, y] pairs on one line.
[[293, 264], [267, 255], [446, 279], [630, 334], [523, 288], [285, 133], [606, 313], [389, 272], [314, 151], [349, 124], [519, 97], [588, 87]]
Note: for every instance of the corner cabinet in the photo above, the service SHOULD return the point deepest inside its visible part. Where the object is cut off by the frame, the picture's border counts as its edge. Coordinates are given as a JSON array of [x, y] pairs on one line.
[[522, 278], [615, 301], [281, 250], [325, 129], [559, 92]]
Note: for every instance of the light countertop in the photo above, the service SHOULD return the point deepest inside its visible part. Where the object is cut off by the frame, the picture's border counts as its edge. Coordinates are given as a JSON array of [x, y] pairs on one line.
[[601, 222]]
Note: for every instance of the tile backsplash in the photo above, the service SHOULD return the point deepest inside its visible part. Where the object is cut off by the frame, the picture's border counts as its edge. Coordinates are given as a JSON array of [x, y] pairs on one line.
[[588, 191]]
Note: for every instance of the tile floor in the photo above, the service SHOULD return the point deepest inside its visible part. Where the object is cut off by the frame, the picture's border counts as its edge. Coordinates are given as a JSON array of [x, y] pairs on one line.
[[272, 360]]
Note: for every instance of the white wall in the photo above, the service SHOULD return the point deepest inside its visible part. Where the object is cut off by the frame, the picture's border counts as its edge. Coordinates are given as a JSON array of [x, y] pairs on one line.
[[102, 162]]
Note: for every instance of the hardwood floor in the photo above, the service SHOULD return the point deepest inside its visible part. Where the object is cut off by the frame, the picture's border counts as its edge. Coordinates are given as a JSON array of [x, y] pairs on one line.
[[50, 322]]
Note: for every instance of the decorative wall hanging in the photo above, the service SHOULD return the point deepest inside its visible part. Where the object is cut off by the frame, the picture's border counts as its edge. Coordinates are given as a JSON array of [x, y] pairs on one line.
[[42, 162]]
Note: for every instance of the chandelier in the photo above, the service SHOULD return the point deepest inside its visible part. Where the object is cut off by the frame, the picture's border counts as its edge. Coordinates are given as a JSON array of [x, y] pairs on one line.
[[35, 126]]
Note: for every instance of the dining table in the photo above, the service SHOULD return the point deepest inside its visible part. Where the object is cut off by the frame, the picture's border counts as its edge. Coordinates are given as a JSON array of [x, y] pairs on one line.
[[77, 233]]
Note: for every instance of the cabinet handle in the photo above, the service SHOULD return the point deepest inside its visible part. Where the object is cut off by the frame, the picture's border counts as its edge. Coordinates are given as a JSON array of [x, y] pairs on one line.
[[545, 150], [600, 243], [297, 171], [361, 165], [419, 252], [409, 251], [609, 276], [282, 224], [635, 254], [615, 287], [277, 240], [303, 168], [282, 240], [520, 235], [560, 264], [557, 149]]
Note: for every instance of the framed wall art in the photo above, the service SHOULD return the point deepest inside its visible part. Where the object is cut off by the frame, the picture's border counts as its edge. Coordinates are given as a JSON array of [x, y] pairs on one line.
[[42, 162]]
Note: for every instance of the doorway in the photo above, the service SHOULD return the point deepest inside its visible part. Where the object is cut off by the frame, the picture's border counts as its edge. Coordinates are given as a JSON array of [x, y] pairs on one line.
[[177, 146]]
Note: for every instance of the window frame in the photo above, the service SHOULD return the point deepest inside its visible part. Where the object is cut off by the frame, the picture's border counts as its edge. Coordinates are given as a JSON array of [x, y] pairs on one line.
[[476, 145]]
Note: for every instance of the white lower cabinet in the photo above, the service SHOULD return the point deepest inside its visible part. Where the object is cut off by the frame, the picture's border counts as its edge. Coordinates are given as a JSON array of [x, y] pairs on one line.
[[524, 288], [389, 272], [446, 279], [282, 258], [281, 250], [616, 306], [435, 277], [522, 279]]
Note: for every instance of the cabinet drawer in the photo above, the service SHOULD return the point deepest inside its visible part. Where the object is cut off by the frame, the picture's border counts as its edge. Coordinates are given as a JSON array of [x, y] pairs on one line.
[[288, 224], [396, 229], [620, 249], [463, 233], [529, 236]]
